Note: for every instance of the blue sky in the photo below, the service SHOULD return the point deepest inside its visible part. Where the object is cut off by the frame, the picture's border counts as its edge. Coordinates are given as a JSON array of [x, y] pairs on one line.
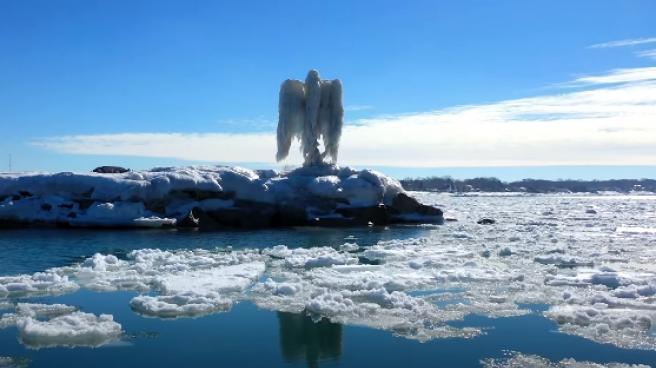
[[445, 88]]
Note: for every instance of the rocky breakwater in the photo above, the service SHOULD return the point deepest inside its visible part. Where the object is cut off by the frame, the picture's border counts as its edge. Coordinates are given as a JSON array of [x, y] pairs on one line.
[[209, 198]]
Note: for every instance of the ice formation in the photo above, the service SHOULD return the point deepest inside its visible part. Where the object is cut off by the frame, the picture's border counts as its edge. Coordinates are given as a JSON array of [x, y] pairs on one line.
[[209, 197], [310, 111]]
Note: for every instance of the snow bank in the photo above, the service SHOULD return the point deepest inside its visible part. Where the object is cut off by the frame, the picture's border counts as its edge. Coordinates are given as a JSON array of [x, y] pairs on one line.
[[162, 197]]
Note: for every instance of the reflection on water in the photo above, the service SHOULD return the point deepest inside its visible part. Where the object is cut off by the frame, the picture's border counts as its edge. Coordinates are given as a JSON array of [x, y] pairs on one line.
[[302, 338]]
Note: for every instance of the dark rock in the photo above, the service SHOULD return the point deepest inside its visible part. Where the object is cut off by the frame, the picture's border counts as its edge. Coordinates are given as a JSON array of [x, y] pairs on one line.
[[189, 221], [486, 221], [72, 215], [84, 203], [157, 206], [377, 215], [200, 195], [24, 193], [205, 222], [66, 205], [289, 215], [10, 223], [255, 216], [46, 206], [505, 252], [110, 170], [405, 204], [407, 209]]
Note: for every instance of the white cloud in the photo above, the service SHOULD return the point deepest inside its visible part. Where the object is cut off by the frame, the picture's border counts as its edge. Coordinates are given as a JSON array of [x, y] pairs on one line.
[[630, 75], [358, 107], [623, 43], [650, 54], [610, 124]]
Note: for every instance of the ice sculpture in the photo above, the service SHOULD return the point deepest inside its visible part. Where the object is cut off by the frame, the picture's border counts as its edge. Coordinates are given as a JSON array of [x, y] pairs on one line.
[[310, 111]]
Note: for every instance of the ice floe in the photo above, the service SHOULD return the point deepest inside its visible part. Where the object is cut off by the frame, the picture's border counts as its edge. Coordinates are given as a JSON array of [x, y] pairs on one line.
[[49, 325], [12, 362], [596, 282], [40, 283], [74, 329], [519, 360]]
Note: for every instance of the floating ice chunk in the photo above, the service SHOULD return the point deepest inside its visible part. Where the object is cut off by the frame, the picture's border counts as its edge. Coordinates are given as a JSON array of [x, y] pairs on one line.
[[312, 257], [396, 311], [185, 304], [33, 310], [12, 362], [625, 327], [43, 310], [636, 230], [40, 283], [197, 292], [349, 247], [519, 360], [635, 291], [74, 329], [562, 260], [279, 251], [7, 320], [154, 221], [99, 262], [222, 279], [281, 288]]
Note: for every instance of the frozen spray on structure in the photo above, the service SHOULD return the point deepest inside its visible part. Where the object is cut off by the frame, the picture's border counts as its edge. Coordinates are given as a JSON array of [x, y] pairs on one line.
[[310, 111]]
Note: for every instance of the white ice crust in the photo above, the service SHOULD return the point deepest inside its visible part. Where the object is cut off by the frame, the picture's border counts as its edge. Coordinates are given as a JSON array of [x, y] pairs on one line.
[[129, 199]]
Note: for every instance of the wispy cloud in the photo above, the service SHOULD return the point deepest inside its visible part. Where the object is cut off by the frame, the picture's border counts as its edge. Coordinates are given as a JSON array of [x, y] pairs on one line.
[[252, 124], [623, 43], [650, 54], [609, 123], [616, 76], [358, 107]]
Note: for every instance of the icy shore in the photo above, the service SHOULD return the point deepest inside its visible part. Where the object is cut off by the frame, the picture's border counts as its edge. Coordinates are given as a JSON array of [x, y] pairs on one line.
[[209, 197]]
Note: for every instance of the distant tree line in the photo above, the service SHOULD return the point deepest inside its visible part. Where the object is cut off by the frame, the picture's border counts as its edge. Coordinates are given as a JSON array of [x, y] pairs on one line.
[[448, 184]]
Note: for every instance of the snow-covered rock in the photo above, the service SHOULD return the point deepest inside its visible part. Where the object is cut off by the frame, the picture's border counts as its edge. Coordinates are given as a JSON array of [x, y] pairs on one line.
[[209, 197]]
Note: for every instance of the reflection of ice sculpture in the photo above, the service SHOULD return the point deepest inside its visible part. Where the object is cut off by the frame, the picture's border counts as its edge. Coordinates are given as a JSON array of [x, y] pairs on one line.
[[301, 337], [310, 111]]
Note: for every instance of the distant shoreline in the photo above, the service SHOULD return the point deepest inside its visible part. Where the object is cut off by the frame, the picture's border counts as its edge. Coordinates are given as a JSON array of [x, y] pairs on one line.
[[447, 184]]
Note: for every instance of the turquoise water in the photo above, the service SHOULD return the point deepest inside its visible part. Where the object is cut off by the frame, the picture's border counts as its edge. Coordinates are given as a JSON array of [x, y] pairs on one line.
[[249, 336]]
